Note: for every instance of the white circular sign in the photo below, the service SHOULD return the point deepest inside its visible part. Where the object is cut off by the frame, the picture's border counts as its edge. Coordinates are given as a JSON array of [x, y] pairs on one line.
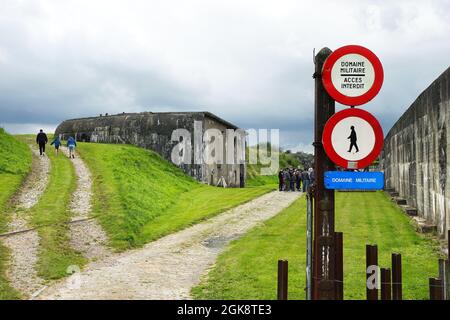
[[352, 75], [353, 138]]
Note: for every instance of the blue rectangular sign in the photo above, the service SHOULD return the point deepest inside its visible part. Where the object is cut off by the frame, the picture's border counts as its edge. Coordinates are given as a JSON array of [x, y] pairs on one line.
[[352, 180]]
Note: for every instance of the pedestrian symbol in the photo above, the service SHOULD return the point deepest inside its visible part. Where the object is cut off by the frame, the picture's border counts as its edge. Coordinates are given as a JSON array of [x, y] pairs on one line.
[[353, 138]]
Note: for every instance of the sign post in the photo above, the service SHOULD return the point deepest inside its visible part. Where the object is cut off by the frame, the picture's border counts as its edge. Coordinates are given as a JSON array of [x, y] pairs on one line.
[[351, 75], [323, 243]]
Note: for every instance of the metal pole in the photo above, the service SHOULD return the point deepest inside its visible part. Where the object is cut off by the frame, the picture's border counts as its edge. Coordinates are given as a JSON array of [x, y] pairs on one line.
[[397, 291], [447, 280], [386, 284], [442, 276], [339, 276], [371, 264], [309, 201], [323, 254], [282, 279]]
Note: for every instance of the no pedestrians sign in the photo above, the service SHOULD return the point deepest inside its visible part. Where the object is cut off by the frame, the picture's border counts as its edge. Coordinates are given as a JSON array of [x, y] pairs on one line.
[[352, 75], [352, 138]]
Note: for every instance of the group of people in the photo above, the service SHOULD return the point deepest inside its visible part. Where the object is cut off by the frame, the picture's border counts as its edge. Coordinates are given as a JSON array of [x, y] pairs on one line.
[[42, 140], [290, 179]]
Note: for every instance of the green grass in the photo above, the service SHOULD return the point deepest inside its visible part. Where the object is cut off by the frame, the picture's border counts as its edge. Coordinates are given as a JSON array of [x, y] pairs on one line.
[[248, 268], [15, 162], [139, 197], [50, 215]]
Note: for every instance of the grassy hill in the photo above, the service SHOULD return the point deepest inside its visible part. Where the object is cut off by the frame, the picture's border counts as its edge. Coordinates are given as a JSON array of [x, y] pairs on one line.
[[139, 197], [15, 162]]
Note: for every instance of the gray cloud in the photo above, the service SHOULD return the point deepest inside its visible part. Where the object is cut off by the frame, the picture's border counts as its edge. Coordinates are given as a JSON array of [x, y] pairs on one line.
[[247, 61]]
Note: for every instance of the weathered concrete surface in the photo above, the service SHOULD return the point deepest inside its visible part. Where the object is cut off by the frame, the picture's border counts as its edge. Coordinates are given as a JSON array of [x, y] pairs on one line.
[[415, 157], [154, 131]]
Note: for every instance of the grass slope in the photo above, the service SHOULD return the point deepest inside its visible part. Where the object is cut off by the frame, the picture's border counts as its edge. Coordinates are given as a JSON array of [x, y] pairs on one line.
[[248, 269], [15, 162], [50, 215], [139, 197]]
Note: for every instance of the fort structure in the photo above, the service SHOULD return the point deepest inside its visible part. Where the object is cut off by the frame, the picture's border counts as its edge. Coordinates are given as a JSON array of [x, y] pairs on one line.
[[416, 159], [155, 131]]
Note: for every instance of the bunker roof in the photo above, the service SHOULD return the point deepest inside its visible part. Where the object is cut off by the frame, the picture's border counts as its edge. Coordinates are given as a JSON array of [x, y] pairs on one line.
[[204, 113]]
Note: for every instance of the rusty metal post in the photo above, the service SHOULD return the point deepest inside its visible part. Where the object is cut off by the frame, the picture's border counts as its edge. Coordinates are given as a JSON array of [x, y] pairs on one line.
[[436, 289], [447, 280], [386, 293], [371, 267], [323, 253], [442, 276], [339, 262], [282, 279], [397, 290], [309, 243]]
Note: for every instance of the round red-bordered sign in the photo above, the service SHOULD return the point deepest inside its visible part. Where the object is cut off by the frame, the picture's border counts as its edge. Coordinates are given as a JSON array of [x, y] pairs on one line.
[[337, 133], [352, 75]]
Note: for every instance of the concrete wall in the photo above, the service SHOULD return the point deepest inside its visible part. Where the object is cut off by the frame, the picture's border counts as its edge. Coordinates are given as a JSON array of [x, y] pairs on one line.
[[154, 131], [415, 157]]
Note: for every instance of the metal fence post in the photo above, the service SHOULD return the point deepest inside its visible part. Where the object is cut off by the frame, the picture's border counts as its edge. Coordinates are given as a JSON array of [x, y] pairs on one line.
[[371, 262], [447, 280], [282, 279], [436, 289], [386, 293], [397, 290], [442, 277], [309, 254], [339, 263]]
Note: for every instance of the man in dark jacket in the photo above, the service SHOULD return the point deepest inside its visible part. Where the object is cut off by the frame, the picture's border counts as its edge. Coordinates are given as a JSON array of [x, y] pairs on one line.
[[41, 140], [280, 180]]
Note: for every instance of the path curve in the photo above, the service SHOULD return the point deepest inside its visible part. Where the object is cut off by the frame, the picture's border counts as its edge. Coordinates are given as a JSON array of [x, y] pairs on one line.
[[24, 246], [169, 267], [87, 237]]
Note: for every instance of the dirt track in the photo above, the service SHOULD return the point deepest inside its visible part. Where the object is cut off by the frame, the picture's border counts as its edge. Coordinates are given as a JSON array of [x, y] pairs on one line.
[[169, 267], [86, 237], [24, 246]]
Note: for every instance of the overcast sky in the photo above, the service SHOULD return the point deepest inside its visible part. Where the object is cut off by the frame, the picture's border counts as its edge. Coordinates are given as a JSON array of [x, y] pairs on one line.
[[249, 62]]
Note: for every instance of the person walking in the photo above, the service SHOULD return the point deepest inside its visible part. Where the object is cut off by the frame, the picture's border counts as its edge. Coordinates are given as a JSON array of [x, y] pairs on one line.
[[292, 180], [286, 180], [280, 180], [41, 140], [298, 179], [71, 144], [305, 180], [312, 176], [56, 142]]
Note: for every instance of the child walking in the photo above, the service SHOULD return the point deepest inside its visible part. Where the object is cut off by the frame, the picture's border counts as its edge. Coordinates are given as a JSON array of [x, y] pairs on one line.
[[57, 142], [71, 144]]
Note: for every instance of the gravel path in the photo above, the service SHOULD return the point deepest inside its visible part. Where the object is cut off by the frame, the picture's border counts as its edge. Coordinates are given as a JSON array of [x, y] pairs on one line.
[[24, 246], [86, 237], [169, 267]]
